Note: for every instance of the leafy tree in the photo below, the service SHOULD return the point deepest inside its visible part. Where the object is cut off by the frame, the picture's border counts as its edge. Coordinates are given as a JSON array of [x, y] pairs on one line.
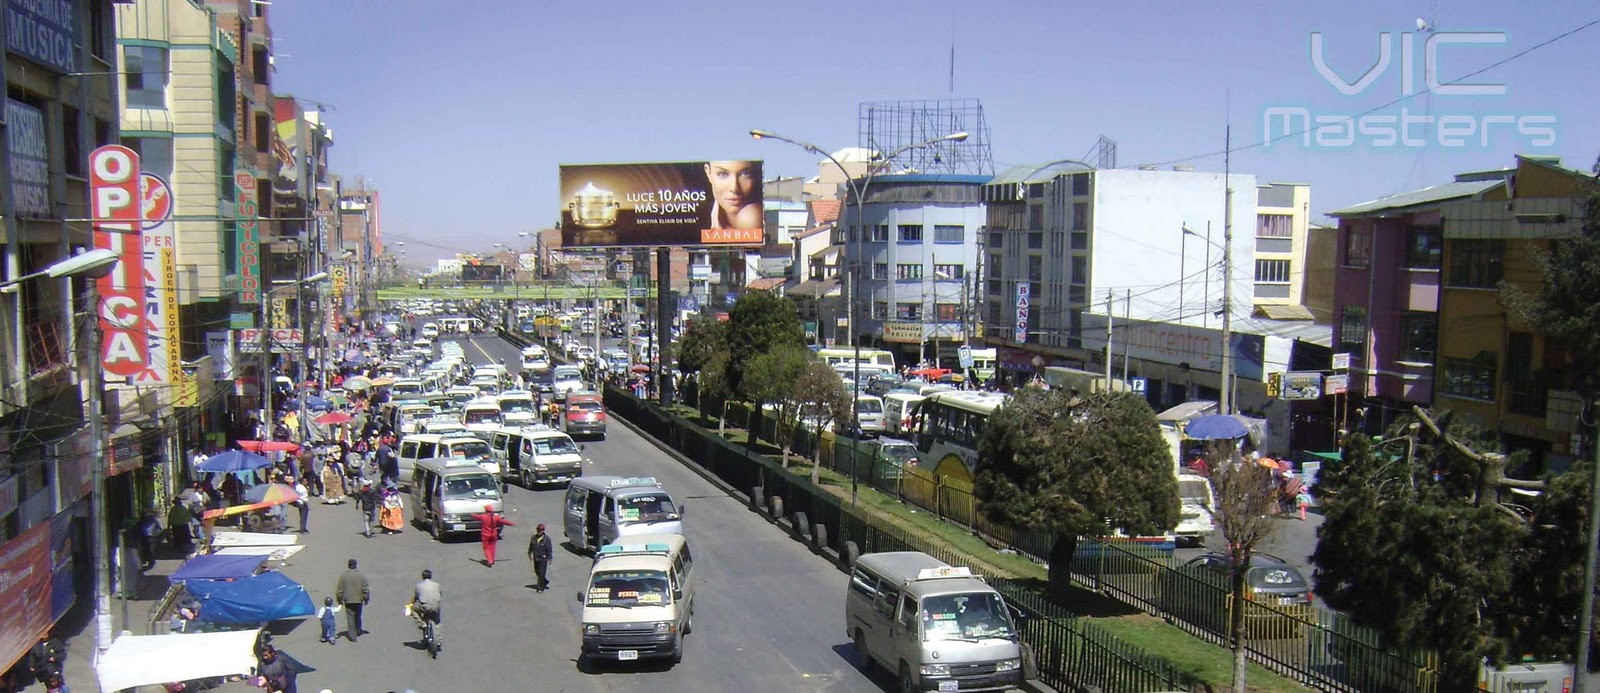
[[713, 382], [821, 394], [703, 338], [770, 379], [758, 323], [1077, 467], [1418, 544], [1245, 500]]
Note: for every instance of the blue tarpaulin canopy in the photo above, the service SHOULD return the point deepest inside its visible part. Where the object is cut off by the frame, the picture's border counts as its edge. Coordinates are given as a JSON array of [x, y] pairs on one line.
[[218, 567], [266, 597]]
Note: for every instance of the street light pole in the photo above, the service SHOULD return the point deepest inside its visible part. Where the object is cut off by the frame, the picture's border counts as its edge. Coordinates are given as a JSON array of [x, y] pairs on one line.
[[852, 296], [99, 543]]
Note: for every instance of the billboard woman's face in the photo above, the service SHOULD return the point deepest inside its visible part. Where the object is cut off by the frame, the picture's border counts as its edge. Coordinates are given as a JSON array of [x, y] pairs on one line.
[[733, 183]]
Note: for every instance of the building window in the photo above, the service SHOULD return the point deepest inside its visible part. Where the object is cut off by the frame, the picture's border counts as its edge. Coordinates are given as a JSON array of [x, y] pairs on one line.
[[997, 314], [949, 272], [1080, 241], [880, 270], [1353, 328], [1272, 271], [908, 271], [1419, 336], [911, 233], [880, 233], [1080, 184], [1470, 378], [995, 263], [70, 132], [1077, 295], [949, 233], [947, 312], [1080, 216], [1035, 217], [155, 154], [996, 239], [1035, 268], [1275, 225], [880, 310], [1476, 264], [145, 76], [1035, 190], [994, 287], [1080, 269], [1358, 246], [1424, 247], [908, 311], [1035, 240]]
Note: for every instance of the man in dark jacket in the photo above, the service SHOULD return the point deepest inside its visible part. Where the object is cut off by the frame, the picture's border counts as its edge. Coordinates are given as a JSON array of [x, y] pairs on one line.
[[540, 551], [388, 464], [368, 500], [354, 593]]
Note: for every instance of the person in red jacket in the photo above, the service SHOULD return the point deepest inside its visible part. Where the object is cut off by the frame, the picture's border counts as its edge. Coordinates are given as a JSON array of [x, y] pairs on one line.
[[490, 532]]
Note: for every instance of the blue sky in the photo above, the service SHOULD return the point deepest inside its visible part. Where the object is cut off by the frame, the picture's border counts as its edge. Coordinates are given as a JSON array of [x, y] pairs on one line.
[[461, 111]]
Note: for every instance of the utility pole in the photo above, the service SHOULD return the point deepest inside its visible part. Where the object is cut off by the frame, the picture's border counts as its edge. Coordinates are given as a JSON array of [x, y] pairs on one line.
[[1109, 319], [266, 361], [1226, 394], [99, 543], [1127, 344], [1586, 614]]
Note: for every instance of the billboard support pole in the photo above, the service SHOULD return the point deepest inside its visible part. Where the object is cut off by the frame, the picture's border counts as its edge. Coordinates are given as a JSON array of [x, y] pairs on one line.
[[664, 324]]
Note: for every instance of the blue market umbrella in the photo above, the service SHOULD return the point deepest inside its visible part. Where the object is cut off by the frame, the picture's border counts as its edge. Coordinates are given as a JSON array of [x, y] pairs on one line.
[[318, 404], [233, 461], [1215, 427]]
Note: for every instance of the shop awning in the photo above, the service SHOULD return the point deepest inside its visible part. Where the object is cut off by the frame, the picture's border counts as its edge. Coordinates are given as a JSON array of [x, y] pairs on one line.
[[218, 567], [149, 660]]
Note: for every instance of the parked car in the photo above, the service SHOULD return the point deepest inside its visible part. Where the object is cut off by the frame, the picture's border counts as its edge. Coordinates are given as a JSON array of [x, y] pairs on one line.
[[1197, 592], [892, 457]]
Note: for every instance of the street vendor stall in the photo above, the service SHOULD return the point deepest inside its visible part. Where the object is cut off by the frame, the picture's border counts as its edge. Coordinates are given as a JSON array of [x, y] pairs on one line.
[[151, 660], [218, 567], [252, 600]]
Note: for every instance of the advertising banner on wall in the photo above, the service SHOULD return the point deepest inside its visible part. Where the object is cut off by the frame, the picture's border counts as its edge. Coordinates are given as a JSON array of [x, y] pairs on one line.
[[25, 599], [902, 332], [1302, 385], [662, 204], [27, 142], [44, 32], [1198, 347], [161, 283], [248, 267], [115, 202], [1024, 306]]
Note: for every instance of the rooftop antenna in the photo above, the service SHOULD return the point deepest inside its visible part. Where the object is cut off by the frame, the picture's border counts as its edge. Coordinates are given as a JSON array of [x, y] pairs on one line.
[[952, 54]]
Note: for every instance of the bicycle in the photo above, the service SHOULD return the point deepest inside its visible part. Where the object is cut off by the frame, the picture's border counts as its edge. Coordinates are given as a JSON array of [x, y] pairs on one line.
[[430, 634]]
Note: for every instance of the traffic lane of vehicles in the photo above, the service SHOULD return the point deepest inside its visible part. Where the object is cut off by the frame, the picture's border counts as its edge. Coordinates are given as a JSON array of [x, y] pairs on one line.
[[769, 612]]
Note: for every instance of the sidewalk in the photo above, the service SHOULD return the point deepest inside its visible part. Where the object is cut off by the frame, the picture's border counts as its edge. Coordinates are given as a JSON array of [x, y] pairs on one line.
[[77, 626]]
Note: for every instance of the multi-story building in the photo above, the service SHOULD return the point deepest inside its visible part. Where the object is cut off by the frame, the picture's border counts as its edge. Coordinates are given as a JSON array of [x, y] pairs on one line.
[[1436, 257], [1283, 212], [813, 283], [1072, 236], [357, 243], [918, 235]]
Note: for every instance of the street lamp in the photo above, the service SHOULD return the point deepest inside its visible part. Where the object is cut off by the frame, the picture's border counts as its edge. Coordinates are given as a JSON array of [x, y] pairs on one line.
[[92, 264], [266, 383], [854, 273]]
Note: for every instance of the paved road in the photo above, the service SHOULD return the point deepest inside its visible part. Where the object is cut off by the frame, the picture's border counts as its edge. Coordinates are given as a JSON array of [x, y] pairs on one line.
[[769, 615]]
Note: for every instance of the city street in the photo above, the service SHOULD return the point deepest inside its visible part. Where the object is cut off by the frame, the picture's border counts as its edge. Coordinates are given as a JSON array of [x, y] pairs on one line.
[[769, 615]]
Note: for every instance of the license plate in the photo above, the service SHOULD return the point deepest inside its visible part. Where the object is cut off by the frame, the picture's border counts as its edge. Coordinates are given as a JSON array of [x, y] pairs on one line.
[[949, 685], [626, 655], [458, 528], [1285, 600]]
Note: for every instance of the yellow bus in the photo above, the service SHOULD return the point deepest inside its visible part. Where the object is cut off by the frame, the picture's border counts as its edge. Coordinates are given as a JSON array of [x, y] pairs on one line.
[[847, 356]]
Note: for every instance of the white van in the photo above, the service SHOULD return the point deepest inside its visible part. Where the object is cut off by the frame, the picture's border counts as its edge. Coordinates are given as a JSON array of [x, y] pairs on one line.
[[482, 416], [424, 446], [869, 415], [599, 509], [897, 408], [639, 600], [937, 628], [545, 455], [446, 492], [409, 416], [517, 408], [1194, 518], [408, 386]]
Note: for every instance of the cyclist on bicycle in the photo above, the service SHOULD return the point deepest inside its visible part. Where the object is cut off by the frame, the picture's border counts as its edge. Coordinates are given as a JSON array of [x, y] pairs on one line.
[[425, 602]]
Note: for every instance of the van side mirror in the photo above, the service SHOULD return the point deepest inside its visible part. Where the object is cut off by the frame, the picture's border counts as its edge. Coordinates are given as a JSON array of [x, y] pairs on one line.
[[582, 447], [682, 508], [677, 595], [579, 595]]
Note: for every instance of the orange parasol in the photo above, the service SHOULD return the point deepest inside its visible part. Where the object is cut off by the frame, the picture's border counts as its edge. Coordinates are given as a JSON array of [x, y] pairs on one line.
[[268, 495]]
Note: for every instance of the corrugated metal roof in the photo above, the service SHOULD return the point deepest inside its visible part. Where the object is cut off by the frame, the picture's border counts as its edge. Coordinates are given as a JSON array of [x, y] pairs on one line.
[[1414, 198], [1024, 173], [1284, 312], [1303, 330]]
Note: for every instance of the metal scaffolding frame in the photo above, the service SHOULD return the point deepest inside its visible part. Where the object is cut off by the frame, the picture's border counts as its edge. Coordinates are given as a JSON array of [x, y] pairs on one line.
[[887, 126]]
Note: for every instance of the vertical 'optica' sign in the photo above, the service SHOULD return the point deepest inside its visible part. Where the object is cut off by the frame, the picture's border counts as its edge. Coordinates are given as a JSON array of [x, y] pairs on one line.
[[115, 206], [248, 240]]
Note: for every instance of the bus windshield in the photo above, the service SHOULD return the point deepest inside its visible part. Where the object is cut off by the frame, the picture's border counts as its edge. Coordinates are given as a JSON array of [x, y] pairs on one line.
[[967, 616], [629, 588]]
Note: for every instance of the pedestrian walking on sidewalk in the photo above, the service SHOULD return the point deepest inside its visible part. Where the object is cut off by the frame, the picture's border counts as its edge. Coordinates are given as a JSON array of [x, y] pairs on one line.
[[354, 593], [540, 551], [489, 533]]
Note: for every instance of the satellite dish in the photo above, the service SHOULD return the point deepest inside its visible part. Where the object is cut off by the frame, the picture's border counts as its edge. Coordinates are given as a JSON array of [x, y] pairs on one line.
[[1422, 25]]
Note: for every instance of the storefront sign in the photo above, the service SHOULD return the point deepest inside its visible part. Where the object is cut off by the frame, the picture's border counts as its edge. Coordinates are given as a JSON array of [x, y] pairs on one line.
[[282, 341], [1336, 384], [44, 31], [1341, 361], [249, 242], [125, 455], [115, 204], [902, 332], [1302, 385], [280, 313], [219, 345], [30, 160], [161, 280], [1024, 303]]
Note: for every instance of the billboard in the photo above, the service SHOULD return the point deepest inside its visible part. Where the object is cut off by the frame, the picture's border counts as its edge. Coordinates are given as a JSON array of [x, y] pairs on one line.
[[27, 141], [161, 282], [664, 204], [248, 263], [482, 273], [115, 205]]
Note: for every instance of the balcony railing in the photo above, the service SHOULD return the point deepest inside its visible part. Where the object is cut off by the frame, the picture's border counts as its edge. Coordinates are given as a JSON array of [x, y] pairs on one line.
[[1528, 394]]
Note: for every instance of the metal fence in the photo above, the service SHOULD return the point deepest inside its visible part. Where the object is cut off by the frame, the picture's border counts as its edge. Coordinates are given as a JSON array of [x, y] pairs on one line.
[[1071, 653]]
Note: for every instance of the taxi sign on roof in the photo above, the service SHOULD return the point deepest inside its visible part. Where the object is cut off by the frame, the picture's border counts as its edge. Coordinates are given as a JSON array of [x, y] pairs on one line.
[[943, 572], [634, 481]]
